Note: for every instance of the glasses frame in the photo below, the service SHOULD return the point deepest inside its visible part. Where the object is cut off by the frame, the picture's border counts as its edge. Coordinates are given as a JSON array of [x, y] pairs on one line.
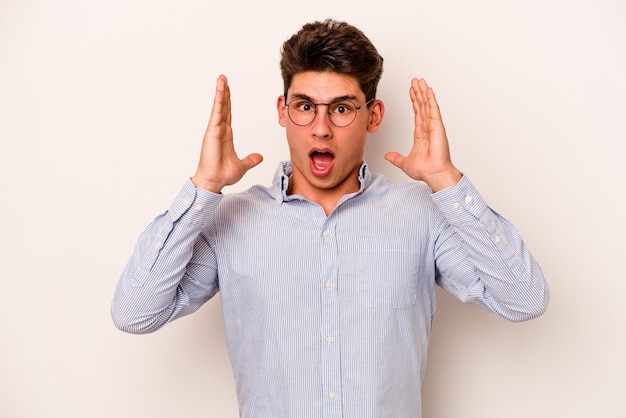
[[315, 105]]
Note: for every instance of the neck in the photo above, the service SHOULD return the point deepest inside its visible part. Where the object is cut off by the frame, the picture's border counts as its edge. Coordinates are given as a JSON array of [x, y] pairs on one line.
[[328, 198]]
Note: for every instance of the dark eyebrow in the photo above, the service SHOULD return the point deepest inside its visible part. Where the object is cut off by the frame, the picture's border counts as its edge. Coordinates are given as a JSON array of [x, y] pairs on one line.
[[334, 100]]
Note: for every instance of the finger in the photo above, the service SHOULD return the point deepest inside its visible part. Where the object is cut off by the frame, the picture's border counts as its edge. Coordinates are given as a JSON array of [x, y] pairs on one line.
[[218, 98], [428, 97], [413, 95], [395, 158], [221, 103], [420, 87], [226, 101], [251, 160], [423, 98], [415, 101], [433, 105]]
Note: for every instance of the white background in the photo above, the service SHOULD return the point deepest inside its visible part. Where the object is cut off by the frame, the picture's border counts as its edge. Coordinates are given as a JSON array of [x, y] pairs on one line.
[[102, 109]]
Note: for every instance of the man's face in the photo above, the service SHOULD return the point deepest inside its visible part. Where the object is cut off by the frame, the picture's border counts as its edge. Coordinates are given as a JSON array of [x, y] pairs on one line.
[[326, 158]]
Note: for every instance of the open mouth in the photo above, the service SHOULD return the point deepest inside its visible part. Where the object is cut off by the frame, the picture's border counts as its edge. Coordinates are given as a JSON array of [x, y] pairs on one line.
[[321, 159]]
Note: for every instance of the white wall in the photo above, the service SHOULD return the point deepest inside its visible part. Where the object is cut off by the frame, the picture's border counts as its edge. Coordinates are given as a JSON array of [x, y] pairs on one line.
[[102, 109]]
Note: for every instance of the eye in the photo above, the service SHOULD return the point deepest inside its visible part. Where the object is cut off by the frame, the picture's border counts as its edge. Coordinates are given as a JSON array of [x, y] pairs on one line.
[[342, 108], [304, 106]]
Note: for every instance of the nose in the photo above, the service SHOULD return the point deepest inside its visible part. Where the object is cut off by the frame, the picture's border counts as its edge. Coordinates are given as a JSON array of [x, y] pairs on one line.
[[321, 124]]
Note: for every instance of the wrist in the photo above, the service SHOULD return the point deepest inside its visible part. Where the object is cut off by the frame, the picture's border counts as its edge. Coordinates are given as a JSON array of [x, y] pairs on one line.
[[200, 183], [444, 179]]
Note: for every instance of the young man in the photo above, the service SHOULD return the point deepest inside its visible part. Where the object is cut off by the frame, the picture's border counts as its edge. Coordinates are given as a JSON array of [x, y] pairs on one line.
[[327, 277]]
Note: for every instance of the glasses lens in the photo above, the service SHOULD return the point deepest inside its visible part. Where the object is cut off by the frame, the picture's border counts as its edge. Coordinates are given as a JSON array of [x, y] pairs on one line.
[[342, 113], [301, 112]]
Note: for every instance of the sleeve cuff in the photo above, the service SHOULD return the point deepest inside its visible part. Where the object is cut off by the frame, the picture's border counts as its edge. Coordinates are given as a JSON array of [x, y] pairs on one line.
[[194, 206], [461, 203]]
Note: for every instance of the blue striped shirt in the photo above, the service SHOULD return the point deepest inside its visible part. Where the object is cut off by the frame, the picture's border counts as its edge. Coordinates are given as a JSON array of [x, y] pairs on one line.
[[327, 316]]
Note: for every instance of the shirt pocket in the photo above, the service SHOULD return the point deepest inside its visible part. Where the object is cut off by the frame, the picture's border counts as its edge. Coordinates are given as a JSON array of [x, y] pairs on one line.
[[388, 279]]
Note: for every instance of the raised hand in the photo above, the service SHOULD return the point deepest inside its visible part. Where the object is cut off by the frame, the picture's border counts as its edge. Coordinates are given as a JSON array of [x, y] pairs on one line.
[[429, 159], [219, 164]]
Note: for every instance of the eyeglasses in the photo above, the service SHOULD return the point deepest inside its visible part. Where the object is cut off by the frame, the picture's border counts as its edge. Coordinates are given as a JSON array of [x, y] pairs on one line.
[[341, 113]]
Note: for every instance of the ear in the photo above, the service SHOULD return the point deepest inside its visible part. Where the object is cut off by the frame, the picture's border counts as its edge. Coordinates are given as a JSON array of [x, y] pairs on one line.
[[282, 111], [377, 112]]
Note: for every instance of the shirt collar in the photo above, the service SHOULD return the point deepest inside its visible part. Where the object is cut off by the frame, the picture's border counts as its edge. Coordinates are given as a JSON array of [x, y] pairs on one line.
[[283, 174]]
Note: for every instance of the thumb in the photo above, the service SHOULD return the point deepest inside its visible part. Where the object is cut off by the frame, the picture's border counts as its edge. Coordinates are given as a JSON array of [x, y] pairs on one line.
[[251, 160], [395, 158]]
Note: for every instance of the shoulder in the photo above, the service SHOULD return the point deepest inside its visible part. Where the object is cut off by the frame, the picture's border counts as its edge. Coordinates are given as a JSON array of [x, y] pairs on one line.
[[380, 185], [254, 199]]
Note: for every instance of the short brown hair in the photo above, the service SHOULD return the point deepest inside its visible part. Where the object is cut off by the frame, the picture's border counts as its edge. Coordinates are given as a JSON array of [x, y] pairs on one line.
[[332, 46]]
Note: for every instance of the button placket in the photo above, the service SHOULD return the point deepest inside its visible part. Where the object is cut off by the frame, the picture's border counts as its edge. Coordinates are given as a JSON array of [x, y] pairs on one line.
[[331, 362]]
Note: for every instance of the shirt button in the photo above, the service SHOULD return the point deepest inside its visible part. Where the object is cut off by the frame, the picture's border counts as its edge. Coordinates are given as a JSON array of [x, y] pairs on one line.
[[158, 245], [329, 339], [198, 207], [498, 239], [186, 202], [328, 284], [468, 199], [456, 205], [326, 234], [331, 395]]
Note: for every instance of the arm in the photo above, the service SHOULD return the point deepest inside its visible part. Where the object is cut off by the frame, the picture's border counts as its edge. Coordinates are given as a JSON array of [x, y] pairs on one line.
[[172, 271], [480, 256]]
